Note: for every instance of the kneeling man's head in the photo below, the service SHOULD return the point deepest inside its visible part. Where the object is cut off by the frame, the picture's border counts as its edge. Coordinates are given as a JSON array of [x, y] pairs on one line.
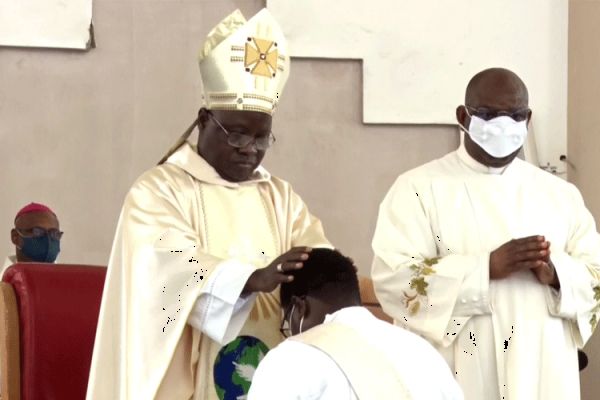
[[325, 284]]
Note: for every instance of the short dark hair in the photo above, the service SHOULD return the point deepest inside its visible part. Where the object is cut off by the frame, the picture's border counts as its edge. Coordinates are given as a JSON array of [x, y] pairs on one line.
[[327, 275]]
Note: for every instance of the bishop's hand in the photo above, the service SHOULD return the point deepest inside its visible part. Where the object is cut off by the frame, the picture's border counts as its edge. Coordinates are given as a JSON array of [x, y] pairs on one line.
[[268, 278], [529, 253]]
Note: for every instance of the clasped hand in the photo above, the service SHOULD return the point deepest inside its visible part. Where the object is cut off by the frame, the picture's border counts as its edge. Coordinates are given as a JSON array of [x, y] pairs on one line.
[[529, 253]]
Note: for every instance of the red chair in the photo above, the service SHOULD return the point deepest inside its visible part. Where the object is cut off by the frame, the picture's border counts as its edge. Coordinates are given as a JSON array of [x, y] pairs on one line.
[[47, 328]]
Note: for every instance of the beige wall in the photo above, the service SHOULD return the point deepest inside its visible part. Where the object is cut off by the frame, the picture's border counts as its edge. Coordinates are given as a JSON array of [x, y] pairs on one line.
[[77, 128], [584, 136]]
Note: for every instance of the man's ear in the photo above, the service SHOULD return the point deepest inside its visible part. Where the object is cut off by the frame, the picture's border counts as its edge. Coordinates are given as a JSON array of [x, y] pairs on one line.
[[14, 237], [462, 115], [529, 118]]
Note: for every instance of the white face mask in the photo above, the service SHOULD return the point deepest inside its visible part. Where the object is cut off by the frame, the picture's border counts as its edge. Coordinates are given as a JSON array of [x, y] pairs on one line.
[[499, 136]]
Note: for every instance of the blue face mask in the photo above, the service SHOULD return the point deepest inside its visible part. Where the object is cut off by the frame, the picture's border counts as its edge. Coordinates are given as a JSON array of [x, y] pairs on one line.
[[41, 249]]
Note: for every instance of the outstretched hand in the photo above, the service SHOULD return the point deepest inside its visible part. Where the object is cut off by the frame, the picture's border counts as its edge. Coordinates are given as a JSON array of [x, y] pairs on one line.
[[268, 278]]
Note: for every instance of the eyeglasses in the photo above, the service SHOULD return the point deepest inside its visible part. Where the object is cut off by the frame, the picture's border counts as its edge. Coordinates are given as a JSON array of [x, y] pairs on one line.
[[39, 232], [240, 140], [487, 114]]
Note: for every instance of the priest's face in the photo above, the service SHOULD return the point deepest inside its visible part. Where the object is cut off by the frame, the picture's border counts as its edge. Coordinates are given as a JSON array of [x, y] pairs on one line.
[[234, 142], [492, 93]]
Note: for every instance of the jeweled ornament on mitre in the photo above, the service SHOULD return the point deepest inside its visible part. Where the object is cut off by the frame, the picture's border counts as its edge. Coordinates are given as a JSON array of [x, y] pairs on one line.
[[262, 56]]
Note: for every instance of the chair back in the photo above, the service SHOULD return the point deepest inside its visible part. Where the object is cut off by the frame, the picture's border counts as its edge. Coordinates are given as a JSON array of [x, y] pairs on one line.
[[51, 316]]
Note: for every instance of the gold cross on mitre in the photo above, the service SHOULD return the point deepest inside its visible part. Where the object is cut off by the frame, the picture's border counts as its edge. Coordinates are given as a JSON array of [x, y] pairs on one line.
[[260, 57]]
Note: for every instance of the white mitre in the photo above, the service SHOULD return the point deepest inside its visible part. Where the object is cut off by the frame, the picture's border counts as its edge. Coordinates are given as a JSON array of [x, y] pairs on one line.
[[244, 64]]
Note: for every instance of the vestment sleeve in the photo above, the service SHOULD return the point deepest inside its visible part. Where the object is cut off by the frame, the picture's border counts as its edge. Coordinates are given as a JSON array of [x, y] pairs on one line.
[[428, 294]]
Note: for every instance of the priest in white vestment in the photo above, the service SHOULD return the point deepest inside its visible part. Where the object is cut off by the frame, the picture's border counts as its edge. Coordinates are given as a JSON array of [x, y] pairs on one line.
[[340, 351], [493, 260], [191, 304]]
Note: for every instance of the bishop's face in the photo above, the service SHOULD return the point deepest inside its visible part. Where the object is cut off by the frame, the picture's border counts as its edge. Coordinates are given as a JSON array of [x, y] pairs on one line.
[[234, 142], [26, 226]]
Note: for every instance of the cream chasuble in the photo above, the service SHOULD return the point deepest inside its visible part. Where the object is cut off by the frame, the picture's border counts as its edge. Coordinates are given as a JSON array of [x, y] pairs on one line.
[[512, 339], [172, 324]]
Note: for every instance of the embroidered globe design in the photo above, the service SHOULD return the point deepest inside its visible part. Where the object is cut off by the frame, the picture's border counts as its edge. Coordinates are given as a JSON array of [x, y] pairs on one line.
[[235, 365]]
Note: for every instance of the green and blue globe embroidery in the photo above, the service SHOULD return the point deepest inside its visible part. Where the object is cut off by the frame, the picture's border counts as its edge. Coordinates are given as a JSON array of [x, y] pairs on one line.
[[235, 365]]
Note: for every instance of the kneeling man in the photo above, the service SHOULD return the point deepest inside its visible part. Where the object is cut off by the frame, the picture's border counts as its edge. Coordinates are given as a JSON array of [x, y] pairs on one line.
[[342, 351]]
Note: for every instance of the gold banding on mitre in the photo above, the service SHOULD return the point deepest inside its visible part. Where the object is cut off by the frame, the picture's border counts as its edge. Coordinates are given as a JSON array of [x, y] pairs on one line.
[[253, 107], [224, 106], [222, 96], [258, 97]]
